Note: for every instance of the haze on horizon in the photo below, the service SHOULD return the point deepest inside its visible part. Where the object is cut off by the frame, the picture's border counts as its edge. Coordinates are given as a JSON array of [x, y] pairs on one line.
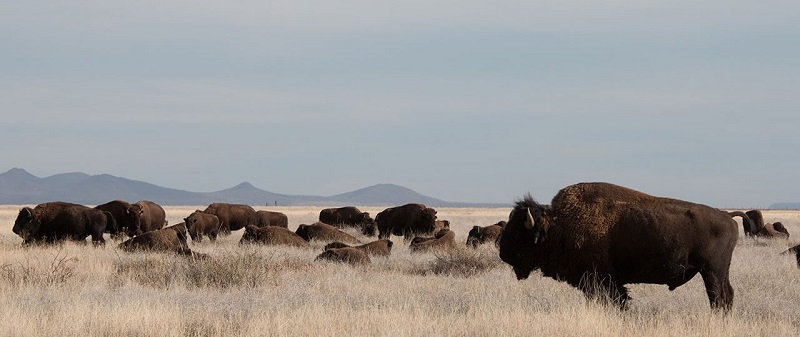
[[470, 101]]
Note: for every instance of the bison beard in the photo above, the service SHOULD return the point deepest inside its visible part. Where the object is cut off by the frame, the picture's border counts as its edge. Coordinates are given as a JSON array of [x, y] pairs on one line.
[[599, 237]]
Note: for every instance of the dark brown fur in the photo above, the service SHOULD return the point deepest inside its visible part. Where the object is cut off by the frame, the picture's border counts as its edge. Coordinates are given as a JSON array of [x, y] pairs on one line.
[[324, 232], [348, 216], [272, 235], [407, 220], [445, 239], [200, 224], [374, 248], [56, 221], [232, 216], [168, 239], [599, 237], [151, 216], [760, 229], [349, 255], [480, 235], [269, 218]]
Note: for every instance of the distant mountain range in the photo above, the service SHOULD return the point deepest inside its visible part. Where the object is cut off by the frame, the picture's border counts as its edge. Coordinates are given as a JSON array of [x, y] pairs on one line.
[[17, 186], [785, 205]]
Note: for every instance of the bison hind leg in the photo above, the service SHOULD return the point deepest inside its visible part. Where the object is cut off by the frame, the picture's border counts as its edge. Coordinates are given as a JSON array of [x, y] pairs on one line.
[[718, 289]]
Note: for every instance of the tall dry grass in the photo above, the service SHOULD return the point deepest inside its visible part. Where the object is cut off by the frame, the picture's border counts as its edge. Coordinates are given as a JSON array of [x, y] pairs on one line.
[[78, 290]]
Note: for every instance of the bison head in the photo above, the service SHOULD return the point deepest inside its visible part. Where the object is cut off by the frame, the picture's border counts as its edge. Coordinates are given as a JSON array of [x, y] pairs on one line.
[[26, 224], [475, 237], [302, 231], [134, 213], [429, 217], [526, 229], [250, 234]]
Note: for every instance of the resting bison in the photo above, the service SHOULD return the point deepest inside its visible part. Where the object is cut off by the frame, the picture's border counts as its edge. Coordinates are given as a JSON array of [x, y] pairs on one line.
[[407, 220], [348, 217], [445, 239], [269, 218], [232, 216], [200, 223], [599, 237], [796, 251], [349, 255], [168, 239], [54, 221], [324, 232], [480, 235], [137, 218], [378, 247], [272, 235], [761, 229]]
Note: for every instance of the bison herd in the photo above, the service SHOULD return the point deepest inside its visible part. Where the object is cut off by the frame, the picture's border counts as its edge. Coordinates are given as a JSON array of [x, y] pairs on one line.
[[597, 237]]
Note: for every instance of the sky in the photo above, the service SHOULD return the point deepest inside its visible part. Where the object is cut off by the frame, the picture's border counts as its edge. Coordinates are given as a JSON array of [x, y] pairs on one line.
[[470, 101]]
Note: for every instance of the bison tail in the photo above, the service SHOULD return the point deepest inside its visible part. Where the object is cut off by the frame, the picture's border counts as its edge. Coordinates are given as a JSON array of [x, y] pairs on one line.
[[748, 224]]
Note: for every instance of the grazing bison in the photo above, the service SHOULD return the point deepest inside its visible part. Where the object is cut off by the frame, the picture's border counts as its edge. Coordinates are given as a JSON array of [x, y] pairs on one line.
[[272, 235], [54, 221], [480, 235], [349, 216], [758, 228], [200, 223], [269, 218], [232, 216], [599, 237], [444, 239], [324, 232], [407, 220], [349, 255], [137, 218], [168, 239], [378, 247]]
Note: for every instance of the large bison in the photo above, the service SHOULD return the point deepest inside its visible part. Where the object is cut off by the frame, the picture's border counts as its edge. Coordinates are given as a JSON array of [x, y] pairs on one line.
[[270, 218], [349, 216], [407, 220], [324, 232], [232, 216], [377, 247], [200, 224], [599, 237], [272, 235], [349, 255], [54, 221], [168, 239], [480, 235], [137, 218]]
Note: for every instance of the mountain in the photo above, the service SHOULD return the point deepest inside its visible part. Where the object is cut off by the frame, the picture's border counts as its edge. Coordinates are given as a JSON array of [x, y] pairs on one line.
[[17, 186], [785, 205]]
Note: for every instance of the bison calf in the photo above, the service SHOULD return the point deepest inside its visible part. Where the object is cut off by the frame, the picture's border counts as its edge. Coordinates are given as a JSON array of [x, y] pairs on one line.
[[374, 248], [272, 235], [349, 255]]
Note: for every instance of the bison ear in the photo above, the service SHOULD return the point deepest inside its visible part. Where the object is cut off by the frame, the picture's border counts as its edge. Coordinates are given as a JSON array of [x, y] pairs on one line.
[[28, 212]]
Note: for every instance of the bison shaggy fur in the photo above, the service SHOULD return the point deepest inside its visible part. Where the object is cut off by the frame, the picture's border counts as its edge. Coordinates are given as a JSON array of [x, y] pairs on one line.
[[55, 221], [599, 237], [407, 221]]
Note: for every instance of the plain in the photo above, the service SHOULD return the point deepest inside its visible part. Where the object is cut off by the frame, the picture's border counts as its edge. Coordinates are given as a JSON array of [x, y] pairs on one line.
[[245, 290]]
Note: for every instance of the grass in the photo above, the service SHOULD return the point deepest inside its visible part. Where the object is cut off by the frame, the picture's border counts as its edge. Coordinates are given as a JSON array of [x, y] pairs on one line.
[[249, 290]]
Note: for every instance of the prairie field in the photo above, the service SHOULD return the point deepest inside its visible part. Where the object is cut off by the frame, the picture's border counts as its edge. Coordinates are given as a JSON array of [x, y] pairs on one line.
[[75, 289]]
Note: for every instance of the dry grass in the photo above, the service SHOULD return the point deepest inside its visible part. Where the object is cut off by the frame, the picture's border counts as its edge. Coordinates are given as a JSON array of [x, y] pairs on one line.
[[249, 290]]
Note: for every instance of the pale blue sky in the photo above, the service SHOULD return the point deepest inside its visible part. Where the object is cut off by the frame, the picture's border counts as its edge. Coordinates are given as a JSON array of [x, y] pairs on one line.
[[476, 101]]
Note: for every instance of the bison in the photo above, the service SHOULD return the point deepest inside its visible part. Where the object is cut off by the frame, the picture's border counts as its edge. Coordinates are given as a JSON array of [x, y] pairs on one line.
[[324, 232], [200, 223], [269, 218], [168, 239], [444, 239], [232, 216], [378, 247], [407, 220], [480, 235], [349, 216], [599, 237], [54, 221], [758, 228], [794, 250], [349, 255], [137, 218], [272, 235]]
